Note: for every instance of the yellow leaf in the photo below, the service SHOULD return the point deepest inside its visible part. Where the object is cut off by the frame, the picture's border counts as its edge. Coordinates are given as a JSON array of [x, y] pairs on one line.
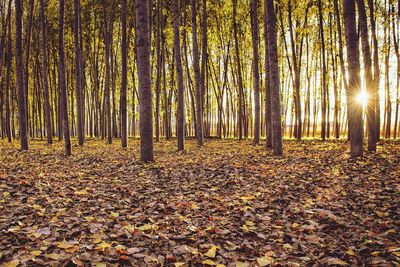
[[6, 194], [351, 252], [250, 223], [101, 264], [114, 214], [36, 207], [287, 246], [245, 228], [242, 264], [179, 264], [89, 218], [13, 263], [379, 213], [295, 225], [194, 206], [103, 245], [211, 252], [37, 235], [145, 227], [80, 193], [64, 245], [264, 261], [36, 252], [53, 256], [209, 262], [375, 253]]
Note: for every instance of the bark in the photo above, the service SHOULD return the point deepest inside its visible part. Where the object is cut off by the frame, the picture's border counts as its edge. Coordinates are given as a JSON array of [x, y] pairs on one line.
[[324, 72], [274, 79], [256, 72], [62, 84], [180, 120], [78, 71], [376, 71], [239, 73], [22, 124], [198, 81], [145, 95], [47, 107], [371, 109], [268, 126], [107, 104], [353, 59], [124, 57]]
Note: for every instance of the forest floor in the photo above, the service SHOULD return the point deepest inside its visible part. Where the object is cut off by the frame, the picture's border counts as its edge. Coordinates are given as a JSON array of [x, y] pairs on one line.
[[226, 204]]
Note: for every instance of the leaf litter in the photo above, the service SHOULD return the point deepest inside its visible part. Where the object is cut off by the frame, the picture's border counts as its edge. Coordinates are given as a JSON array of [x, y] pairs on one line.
[[225, 204]]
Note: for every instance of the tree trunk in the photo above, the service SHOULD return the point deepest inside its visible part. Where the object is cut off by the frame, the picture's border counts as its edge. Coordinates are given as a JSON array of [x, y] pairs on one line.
[[354, 108], [47, 108], [145, 95], [107, 104], [256, 72], [324, 72], [78, 71], [198, 81], [61, 78], [22, 124], [124, 56], [268, 122], [274, 79], [180, 120], [239, 72], [371, 116]]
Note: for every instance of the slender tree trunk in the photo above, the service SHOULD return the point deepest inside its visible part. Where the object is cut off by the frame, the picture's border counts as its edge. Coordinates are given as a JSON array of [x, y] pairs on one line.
[[371, 116], [180, 120], [107, 103], [8, 79], [197, 79], [78, 65], [124, 57], [274, 79], [256, 72], [268, 122], [354, 108], [239, 72], [376, 83], [324, 72], [22, 124], [62, 84], [145, 95], [47, 108]]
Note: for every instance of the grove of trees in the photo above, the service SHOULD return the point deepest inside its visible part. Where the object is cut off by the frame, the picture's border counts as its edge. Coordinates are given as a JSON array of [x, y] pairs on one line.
[[247, 69]]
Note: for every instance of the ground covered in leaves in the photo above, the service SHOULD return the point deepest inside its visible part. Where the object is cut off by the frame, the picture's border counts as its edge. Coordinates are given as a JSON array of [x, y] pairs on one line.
[[226, 204]]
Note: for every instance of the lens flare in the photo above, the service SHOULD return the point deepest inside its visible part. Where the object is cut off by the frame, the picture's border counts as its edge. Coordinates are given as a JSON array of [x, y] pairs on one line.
[[362, 98]]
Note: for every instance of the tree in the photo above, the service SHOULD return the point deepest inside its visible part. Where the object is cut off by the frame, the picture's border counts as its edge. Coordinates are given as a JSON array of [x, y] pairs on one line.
[[61, 77], [47, 107], [371, 109], [145, 95], [180, 120], [124, 76], [198, 81], [78, 73], [239, 72], [268, 122], [256, 73], [324, 72], [274, 82], [22, 114], [353, 60], [107, 78]]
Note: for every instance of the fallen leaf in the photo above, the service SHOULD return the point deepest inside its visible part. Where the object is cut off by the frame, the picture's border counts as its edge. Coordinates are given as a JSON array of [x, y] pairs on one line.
[[211, 253]]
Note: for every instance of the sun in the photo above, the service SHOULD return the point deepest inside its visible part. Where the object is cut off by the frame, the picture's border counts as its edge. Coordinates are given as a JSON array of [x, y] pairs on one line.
[[362, 98]]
